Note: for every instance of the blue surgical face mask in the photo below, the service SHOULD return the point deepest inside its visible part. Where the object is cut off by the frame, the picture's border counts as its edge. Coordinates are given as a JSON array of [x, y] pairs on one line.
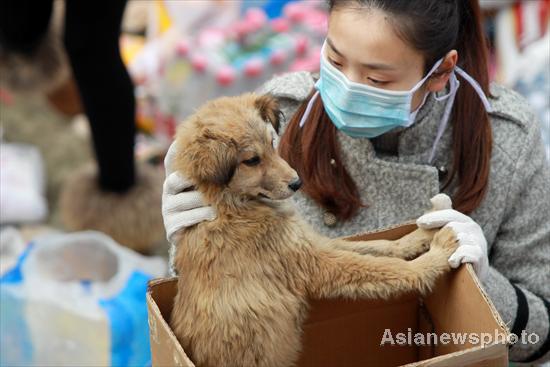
[[362, 111]]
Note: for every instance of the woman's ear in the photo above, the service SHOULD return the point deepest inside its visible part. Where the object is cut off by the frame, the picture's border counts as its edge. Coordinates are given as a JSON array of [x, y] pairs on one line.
[[441, 76]]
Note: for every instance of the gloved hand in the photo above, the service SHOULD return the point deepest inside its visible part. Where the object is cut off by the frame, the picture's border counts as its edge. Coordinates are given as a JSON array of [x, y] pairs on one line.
[[182, 206], [472, 243]]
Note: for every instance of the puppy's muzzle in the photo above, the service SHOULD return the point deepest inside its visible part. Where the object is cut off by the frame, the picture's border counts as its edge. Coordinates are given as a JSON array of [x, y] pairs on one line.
[[295, 185]]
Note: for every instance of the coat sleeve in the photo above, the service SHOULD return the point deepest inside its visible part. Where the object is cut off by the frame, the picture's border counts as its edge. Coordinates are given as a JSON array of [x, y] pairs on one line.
[[519, 278]]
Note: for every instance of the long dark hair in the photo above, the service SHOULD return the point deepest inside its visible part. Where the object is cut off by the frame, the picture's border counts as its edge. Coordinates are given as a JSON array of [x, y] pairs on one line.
[[434, 27]]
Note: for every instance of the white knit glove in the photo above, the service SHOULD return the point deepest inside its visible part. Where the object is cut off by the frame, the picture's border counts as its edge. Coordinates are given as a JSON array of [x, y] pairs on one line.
[[181, 208], [472, 243]]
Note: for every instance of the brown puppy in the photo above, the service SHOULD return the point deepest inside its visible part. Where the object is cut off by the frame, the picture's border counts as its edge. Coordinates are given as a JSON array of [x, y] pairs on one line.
[[245, 277]]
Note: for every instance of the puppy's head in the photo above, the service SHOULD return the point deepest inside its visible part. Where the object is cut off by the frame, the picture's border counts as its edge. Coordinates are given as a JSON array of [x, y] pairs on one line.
[[227, 147]]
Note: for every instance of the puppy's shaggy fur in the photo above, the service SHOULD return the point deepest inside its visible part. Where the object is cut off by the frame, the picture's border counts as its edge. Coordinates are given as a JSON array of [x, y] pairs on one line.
[[245, 277]]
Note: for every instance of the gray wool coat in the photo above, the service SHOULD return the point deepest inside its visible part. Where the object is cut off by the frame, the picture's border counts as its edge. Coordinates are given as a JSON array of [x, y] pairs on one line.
[[514, 215]]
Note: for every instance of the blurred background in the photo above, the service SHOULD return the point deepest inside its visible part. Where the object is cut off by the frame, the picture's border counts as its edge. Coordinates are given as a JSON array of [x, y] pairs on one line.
[[72, 296]]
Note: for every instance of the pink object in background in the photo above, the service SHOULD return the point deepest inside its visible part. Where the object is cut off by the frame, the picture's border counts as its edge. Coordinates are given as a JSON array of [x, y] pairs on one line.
[[254, 20], [280, 25], [256, 17], [239, 56], [199, 63], [309, 63], [318, 22], [243, 28], [278, 57], [225, 76], [254, 68], [6, 97], [301, 44], [296, 12], [211, 38], [308, 15], [182, 48], [161, 67]]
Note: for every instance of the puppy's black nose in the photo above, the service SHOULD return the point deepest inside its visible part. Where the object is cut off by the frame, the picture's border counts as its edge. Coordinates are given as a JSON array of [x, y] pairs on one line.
[[295, 185]]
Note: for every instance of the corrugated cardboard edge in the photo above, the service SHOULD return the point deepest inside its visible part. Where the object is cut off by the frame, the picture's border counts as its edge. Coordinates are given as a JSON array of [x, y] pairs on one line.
[[405, 227], [469, 267], [492, 307], [483, 355], [156, 320], [411, 225], [480, 353], [470, 355]]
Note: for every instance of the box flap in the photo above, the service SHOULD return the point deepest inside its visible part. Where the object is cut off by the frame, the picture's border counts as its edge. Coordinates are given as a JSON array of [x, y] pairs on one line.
[[390, 233], [489, 356], [343, 332], [459, 305], [165, 348]]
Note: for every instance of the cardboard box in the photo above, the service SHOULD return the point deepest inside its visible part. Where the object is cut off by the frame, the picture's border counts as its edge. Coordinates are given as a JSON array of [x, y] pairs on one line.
[[342, 332]]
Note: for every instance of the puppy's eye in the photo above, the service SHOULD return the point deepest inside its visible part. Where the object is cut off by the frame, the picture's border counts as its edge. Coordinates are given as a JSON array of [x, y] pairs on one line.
[[254, 161]]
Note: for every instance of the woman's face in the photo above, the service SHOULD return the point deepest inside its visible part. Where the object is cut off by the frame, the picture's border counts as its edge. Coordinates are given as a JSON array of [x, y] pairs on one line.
[[363, 45]]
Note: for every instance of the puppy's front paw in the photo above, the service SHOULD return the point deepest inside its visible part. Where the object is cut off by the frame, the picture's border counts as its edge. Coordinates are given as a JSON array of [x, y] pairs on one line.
[[416, 243], [423, 245], [445, 240], [417, 248]]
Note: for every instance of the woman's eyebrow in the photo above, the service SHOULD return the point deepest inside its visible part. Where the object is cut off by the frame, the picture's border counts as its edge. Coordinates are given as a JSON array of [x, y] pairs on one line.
[[372, 66], [378, 66], [334, 48]]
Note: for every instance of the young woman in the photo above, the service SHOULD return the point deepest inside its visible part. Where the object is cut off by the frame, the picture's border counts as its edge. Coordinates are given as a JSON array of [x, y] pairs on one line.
[[402, 110]]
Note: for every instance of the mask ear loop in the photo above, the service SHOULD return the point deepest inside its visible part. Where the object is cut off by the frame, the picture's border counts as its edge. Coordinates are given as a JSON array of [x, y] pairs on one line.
[[455, 83], [437, 98], [450, 97], [308, 109], [412, 116], [477, 88], [423, 80]]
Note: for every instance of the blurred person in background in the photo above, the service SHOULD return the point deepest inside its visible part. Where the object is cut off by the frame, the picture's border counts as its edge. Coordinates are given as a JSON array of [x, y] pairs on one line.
[[116, 197]]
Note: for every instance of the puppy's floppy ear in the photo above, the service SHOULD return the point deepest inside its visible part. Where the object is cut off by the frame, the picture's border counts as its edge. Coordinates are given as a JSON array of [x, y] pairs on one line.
[[214, 157], [268, 106]]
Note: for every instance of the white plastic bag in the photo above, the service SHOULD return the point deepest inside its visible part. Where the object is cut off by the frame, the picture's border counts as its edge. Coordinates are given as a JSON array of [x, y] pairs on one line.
[[11, 247], [82, 302], [21, 184]]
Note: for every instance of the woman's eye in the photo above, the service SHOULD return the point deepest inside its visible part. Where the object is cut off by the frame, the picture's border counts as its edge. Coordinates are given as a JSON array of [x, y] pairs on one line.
[[377, 82], [254, 161], [335, 63]]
